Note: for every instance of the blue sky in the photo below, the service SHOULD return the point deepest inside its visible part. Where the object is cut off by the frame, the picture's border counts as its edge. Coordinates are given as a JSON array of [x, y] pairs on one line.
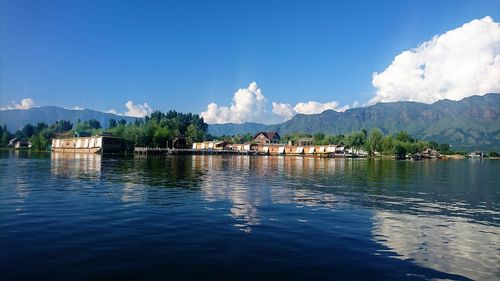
[[185, 55]]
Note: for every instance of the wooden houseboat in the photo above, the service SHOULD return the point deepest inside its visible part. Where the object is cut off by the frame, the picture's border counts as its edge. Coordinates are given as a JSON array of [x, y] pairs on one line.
[[89, 144]]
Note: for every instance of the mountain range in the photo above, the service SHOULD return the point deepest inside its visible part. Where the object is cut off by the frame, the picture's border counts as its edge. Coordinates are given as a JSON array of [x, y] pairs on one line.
[[15, 119], [468, 124]]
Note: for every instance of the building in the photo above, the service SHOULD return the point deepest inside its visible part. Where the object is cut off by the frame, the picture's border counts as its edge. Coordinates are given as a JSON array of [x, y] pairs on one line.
[[22, 145], [95, 144], [266, 137], [304, 142], [476, 154], [209, 145]]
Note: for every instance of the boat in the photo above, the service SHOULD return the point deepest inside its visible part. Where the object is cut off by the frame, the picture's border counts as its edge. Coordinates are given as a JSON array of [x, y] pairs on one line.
[[89, 144]]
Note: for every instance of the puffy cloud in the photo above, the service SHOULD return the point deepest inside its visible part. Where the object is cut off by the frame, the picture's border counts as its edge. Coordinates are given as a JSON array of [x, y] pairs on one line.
[[137, 110], [283, 109], [134, 110], [314, 107], [248, 105], [459, 63], [25, 104]]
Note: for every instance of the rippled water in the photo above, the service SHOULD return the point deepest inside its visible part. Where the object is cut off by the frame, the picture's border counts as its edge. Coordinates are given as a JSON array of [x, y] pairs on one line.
[[87, 217]]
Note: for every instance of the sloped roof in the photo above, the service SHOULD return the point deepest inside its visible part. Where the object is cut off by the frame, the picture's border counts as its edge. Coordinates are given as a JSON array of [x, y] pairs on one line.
[[269, 135]]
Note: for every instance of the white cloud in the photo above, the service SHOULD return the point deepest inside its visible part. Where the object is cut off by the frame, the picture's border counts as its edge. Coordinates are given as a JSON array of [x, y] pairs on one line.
[[283, 109], [314, 107], [76, 107], [133, 110], [138, 110], [25, 104], [248, 105], [459, 63], [112, 111]]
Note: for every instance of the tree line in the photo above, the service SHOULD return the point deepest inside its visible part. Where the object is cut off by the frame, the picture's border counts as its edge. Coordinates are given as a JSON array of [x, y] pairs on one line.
[[160, 128], [154, 130], [373, 142]]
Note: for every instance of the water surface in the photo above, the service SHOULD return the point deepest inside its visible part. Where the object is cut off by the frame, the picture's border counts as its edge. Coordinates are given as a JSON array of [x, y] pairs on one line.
[[88, 217]]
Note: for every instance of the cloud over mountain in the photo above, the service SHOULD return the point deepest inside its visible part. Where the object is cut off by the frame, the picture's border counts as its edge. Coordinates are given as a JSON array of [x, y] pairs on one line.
[[134, 110], [459, 63], [25, 104], [250, 105]]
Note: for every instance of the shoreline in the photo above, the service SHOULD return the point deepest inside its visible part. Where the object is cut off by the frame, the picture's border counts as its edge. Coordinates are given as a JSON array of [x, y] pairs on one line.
[[382, 157]]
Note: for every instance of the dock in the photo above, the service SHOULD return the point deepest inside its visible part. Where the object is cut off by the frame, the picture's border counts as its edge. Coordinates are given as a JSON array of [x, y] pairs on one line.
[[213, 151], [145, 150], [167, 151]]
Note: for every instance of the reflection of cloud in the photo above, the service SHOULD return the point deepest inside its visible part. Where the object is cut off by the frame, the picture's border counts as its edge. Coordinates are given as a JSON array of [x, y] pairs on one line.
[[228, 178], [442, 243], [132, 192]]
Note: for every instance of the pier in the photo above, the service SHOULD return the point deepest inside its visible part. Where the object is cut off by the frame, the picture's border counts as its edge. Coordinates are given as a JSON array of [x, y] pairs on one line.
[[145, 150]]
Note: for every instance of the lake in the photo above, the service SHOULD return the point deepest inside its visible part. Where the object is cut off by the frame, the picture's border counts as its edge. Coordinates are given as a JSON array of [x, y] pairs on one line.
[[93, 217]]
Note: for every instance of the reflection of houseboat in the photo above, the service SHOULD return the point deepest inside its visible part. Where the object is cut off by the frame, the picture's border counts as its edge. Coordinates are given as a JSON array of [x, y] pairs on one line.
[[89, 144]]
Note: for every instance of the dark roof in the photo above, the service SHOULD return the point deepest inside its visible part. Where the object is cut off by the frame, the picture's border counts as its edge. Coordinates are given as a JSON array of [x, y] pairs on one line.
[[269, 135]]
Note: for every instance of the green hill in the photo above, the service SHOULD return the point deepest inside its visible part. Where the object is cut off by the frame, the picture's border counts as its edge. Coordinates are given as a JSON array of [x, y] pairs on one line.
[[471, 123], [15, 119]]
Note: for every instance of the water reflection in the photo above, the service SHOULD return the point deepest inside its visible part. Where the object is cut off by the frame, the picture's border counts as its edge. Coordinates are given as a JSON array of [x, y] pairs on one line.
[[437, 227], [443, 243], [76, 165], [440, 215]]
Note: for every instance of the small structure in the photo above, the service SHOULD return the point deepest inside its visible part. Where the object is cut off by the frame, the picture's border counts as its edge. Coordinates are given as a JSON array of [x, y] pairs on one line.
[[179, 142], [304, 142], [13, 141], [430, 154], [266, 137], [476, 154], [82, 134], [22, 144], [417, 156], [209, 145]]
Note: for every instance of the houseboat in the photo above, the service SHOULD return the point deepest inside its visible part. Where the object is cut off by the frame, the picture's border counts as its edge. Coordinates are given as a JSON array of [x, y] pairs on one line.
[[89, 144]]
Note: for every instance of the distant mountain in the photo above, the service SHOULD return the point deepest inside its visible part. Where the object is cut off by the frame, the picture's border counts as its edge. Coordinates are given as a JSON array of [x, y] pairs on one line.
[[15, 119], [471, 123], [235, 129]]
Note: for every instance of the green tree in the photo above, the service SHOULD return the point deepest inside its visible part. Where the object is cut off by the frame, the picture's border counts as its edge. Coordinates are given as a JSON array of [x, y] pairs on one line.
[[319, 138], [112, 123], [388, 145], [403, 136], [400, 150], [374, 141], [355, 140], [444, 147], [194, 133], [94, 124], [27, 131], [62, 126], [160, 137]]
